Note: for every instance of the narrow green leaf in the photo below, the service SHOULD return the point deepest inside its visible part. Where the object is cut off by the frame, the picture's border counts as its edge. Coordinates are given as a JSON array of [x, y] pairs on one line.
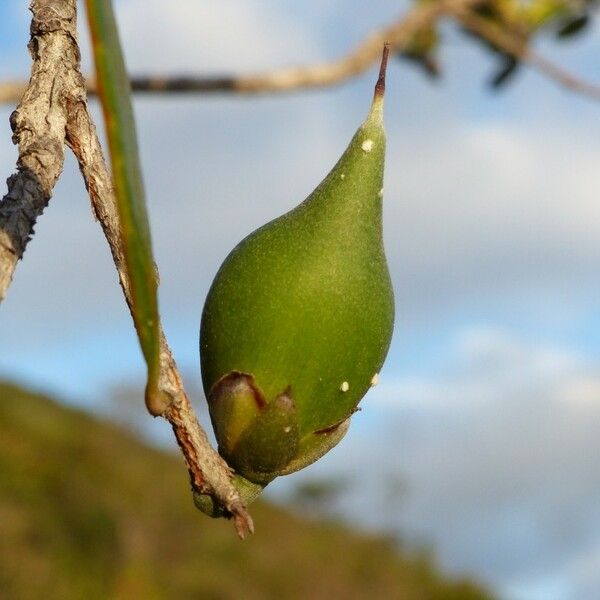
[[115, 95]]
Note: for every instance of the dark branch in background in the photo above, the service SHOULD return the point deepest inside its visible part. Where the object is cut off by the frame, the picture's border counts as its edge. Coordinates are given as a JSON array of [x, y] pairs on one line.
[[54, 112], [399, 34]]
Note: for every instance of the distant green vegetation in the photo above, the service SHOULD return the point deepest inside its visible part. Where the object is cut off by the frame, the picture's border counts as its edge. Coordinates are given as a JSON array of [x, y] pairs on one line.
[[87, 511]]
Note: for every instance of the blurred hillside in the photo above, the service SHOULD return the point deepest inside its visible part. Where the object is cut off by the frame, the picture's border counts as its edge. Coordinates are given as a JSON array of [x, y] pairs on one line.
[[88, 511]]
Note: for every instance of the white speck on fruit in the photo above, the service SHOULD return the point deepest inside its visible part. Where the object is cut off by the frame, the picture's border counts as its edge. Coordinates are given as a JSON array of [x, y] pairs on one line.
[[287, 429], [343, 176], [345, 386], [380, 193], [367, 145], [375, 380]]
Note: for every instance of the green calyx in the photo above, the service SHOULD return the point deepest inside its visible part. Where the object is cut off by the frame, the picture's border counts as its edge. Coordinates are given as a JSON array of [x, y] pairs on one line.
[[299, 318], [262, 439]]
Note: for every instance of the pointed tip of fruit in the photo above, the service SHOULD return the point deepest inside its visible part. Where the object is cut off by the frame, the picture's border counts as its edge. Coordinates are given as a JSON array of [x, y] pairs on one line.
[[380, 85], [377, 106]]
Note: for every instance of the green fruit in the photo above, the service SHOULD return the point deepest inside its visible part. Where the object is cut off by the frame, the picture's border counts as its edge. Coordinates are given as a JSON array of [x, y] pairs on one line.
[[299, 318]]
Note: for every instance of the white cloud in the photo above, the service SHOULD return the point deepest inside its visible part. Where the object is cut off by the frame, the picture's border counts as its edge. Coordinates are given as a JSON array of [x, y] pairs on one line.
[[583, 393], [493, 210], [486, 365], [199, 36]]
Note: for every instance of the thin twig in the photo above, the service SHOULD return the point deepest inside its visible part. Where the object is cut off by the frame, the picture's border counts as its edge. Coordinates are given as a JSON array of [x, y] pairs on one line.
[[399, 34], [54, 112]]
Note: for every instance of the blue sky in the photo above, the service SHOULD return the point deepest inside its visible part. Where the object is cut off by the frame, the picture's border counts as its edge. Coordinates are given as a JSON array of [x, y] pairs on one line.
[[489, 402]]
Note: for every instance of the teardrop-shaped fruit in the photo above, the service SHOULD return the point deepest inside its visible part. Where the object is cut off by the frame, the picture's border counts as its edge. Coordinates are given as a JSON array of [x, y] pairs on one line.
[[299, 318]]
